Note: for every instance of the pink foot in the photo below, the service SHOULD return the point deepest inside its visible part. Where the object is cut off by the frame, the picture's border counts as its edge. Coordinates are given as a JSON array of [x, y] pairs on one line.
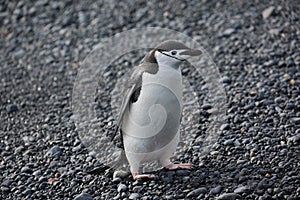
[[138, 176], [179, 166]]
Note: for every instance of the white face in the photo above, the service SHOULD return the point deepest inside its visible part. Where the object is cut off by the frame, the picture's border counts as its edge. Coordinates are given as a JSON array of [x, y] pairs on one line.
[[175, 57], [172, 57]]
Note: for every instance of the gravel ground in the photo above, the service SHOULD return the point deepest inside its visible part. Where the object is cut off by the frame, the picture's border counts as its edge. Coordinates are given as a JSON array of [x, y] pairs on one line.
[[256, 46]]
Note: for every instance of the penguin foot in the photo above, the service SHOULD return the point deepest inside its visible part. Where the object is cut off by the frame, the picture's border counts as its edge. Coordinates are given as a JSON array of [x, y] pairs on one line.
[[173, 166], [135, 175]]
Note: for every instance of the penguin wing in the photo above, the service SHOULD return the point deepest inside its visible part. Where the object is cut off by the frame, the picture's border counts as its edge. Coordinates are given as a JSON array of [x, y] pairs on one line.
[[133, 88], [131, 94]]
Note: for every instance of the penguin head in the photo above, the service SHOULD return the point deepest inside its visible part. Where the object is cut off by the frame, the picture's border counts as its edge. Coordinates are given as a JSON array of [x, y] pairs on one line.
[[173, 52]]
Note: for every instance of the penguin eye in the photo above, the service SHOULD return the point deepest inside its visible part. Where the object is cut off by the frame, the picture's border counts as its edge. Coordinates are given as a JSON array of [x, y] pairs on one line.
[[173, 52]]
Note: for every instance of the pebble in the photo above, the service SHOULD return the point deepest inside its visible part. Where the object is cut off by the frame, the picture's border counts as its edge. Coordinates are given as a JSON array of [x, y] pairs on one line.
[[229, 196], [7, 182], [197, 192], [26, 170], [83, 196], [293, 140], [206, 106], [137, 188], [120, 173], [54, 151], [268, 12], [225, 80], [228, 32], [225, 127], [134, 196], [117, 180], [122, 188], [19, 54], [216, 190], [12, 108], [242, 189], [296, 120], [228, 142]]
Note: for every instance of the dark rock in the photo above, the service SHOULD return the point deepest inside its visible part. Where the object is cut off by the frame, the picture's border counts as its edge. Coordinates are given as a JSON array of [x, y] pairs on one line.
[[206, 106], [296, 120], [134, 196], [7, 182], [197, 192], [225, 80], [242, 189], [120, 173], [122, 188], [26, 170], [225, 127], [54, 151], [19, 54], [216, 190], [228, 32], [294, 139], [228, 142], [12, 108], [116, 180], [229, 196], [83, 196]]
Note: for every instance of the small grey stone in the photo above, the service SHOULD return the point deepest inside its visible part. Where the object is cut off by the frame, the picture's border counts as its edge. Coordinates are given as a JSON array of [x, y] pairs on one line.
[[19, 149], [12, 108], [83, 196], [216, 190], [5, 189], [137, 188], [278, 100], [225, 127], [122, 188], [293, 140], [120, 173], [134, 196], [229, 196], [228, 32], [239, 162], [241, 190], [206, 106], [116, 180], [19, 54], [197, 192], [7, 182], [225, 80], [37, 172], [274, 31], [296, 120], [26, 170], [228, 142], [266, 13], [27, 192], [77, 148], [54, 151]]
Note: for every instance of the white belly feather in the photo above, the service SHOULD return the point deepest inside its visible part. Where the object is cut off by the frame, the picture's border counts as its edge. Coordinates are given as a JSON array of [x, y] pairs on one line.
[[151, 125]]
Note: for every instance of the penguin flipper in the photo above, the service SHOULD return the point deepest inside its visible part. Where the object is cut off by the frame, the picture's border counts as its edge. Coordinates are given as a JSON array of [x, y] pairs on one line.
[[125, 103], [134, 85]]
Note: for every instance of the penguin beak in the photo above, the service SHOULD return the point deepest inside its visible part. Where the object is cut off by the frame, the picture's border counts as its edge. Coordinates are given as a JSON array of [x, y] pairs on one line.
[[190, 52]]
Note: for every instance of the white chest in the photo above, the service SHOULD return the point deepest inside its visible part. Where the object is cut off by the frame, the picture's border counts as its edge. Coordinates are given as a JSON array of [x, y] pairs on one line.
[[167, 77]]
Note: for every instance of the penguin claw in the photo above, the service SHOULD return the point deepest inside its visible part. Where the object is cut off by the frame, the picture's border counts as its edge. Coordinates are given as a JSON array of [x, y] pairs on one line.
[[179, 166], [140, 176]]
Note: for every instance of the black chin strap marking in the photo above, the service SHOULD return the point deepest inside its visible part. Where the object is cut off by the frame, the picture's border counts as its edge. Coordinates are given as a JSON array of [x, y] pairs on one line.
[[170, 56]]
